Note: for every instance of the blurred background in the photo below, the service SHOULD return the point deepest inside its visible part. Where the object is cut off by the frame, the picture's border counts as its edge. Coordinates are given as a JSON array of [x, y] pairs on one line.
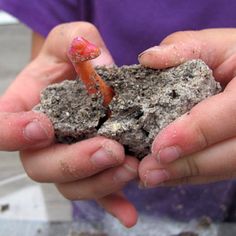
[[25, 206]]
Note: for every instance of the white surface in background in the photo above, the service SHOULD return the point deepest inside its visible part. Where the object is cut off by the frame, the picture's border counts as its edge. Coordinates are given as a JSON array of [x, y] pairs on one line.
[[30, 201], [12, 179], [5, 18], [25, 204]]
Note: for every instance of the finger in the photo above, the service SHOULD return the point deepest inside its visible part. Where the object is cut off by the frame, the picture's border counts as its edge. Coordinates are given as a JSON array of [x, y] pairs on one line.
[[121, 208], [204, 44], [151, 173], [101, 184], [207, 123], [173, 52], [64, 34], [63, 163], [24, 130], [52, 65], [214, 163]]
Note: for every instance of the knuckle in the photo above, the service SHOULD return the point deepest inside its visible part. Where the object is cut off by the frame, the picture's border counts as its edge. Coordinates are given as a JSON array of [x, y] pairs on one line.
[[97, 191], [202, 137], [32, 172], [58, 29], [72, 171], [179, 36], [88, 28], [34, 176], [71, 194], [185, 181], [115, 150], [82, 28], [199, 128], [74, 29], [191, 167]]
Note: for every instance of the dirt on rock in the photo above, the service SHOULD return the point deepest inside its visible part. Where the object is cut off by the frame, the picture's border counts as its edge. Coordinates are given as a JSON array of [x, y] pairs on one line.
[[146, 100]]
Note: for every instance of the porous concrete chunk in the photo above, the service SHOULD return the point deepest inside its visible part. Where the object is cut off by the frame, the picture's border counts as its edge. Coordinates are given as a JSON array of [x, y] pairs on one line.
[[146, 101], [74, 114]]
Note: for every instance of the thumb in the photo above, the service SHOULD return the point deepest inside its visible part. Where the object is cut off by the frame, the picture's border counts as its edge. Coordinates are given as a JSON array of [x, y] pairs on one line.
[[24, 130], [172, 51], [69, 31], [214, 46]]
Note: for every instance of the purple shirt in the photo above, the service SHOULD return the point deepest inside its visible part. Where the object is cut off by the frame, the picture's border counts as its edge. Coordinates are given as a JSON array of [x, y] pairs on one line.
[[128, 28]]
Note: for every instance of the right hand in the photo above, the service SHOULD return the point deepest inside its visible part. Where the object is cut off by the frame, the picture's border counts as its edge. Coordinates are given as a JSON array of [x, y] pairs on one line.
[[91, 169]]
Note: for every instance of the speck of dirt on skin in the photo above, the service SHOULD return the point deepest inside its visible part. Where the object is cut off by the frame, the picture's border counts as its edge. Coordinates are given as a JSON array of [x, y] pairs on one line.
[[68, 170]]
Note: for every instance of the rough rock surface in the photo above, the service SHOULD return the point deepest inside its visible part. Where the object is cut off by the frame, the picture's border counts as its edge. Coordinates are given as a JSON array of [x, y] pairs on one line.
[[146, 101]]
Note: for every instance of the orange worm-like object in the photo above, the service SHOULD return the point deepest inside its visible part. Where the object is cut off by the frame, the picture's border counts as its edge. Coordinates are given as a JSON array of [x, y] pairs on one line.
[[80, 53]]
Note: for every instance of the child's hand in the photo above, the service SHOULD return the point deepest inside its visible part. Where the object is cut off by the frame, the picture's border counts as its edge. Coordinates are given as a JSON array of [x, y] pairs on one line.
[[92, 169], [199, 147]]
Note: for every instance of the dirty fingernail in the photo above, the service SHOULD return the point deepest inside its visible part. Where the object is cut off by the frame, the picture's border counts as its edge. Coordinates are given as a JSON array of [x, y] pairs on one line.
[[168, 154], [34, 131], [155, 177], [103, 158], [125, 173]]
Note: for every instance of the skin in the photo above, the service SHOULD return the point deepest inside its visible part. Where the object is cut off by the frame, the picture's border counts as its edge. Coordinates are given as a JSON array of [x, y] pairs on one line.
[[86, 166], [98, 168], [199, 147]]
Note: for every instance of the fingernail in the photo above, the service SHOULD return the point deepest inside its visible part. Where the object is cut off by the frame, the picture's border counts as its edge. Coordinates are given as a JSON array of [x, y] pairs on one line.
[[147, 51], [103, 157], [125, 173], [168, 154], [155, 49], [34, 131], [155, 177]]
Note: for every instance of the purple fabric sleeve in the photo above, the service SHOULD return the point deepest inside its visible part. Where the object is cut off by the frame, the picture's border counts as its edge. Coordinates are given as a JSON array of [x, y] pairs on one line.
[[126, 28], [41, 16]]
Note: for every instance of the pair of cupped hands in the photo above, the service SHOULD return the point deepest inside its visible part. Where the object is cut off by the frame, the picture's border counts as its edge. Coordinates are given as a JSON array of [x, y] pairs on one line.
[[196, 148]]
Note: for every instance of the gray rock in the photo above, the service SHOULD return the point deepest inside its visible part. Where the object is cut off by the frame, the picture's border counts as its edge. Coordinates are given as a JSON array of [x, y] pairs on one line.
[[146, 101]]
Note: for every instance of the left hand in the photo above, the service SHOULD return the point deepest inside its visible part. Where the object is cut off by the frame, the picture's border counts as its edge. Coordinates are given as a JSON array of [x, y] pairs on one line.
[[96, 168], [198, 147]]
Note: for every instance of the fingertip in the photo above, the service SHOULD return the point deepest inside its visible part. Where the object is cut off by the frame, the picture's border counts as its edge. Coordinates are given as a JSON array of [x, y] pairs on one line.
[[162, 56], [122, 209], [169, 54], [148, 163], [25, 130], [173, 135], [127, 172], [39, 129], [115, 149], [131, 217]]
